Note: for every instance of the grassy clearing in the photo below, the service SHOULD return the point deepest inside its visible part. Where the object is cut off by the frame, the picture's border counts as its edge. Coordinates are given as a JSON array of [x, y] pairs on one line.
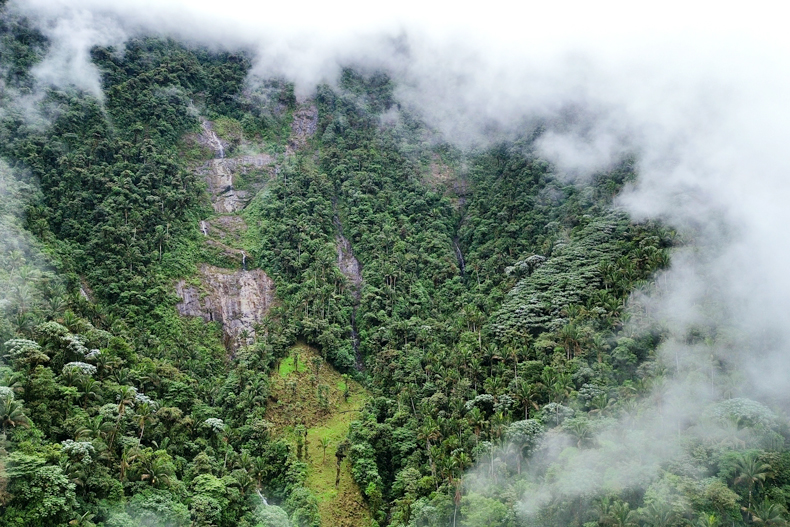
[[313, 395], [288, 364]]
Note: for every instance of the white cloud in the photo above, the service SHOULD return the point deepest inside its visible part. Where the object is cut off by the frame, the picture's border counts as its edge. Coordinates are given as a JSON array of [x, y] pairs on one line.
[[697, 89]]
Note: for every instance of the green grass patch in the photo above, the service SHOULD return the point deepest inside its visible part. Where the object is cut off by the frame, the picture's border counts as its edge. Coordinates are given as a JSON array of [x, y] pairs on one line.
[[298, 401], [287, 366]]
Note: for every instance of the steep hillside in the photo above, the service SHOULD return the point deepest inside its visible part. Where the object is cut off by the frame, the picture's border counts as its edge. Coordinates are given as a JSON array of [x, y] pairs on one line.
[[312, 405], [223, 306]]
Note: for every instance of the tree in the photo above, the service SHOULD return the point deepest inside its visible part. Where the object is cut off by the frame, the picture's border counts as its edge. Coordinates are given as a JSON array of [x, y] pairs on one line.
[[273, 516], [479, 510], [125, 397], [657, 515], [708, 520], [525, 435], [143, 414], [621, 515], [750, 472], [767, 513], [429, 431], [157, 469], [90, 390], [324, 442], [340, 455], [603, 509], [42, 494], [527, 393], [12, 413], [127, 458], [301, 433], [83, 520]]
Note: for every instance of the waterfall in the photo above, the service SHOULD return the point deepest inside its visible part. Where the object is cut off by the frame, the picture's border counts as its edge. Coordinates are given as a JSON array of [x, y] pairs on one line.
[[359, 365], [263, 499], [243, 261], [460, 257], [216, 143], [204, 228], [213, 140]]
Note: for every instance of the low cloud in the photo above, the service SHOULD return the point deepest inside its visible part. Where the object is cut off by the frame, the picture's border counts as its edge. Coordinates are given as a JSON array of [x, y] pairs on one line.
[[698, 94]]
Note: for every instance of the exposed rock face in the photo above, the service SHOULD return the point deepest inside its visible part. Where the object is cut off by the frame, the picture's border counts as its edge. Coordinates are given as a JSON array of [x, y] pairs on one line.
[[442, 178], [228, 228], [303, 127], [239, 300], [349, 265], [208, 138], [219, 179]]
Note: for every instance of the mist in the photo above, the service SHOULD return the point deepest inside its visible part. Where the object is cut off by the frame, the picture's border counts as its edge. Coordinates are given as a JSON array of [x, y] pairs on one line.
[[698, 93]]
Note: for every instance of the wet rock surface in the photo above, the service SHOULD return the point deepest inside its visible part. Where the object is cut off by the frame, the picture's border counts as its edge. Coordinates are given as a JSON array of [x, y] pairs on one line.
[[239, 300], [351, 269], [219, 175], [349, 265], [209, 139]]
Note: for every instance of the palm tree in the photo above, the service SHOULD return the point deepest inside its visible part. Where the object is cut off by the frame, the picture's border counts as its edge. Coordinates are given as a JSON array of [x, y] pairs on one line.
[[559, 385], [156, 471], [571, 338], [243, 461], [83, 520], [767, 513], [75, 471], [527, 393], [659, 516], [244, 479], [708, 520], [105, 364], [90, 389], [600, 403], [127, 457], [95, 428], [494, 385], [12, 413], [429, 431], [459, 461], [259, 469], [126, 397], [143, 414], [324, 442], [580, 429], [622, 516], [751, 472], [477, 420], [603, 509]]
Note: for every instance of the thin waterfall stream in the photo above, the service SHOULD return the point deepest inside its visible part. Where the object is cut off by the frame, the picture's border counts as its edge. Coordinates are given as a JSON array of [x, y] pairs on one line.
[[262, 497]]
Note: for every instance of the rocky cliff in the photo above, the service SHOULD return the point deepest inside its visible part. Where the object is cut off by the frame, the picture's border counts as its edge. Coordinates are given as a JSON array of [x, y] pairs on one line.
[[239, 300]]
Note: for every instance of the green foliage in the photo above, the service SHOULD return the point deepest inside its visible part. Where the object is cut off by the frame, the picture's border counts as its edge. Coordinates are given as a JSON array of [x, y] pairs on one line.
[[41, 493], [489, 312], [157, 508], [479, 511], [273, 516]]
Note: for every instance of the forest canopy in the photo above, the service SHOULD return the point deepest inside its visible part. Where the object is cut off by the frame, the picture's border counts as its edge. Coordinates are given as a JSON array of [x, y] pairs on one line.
[[469, 320]]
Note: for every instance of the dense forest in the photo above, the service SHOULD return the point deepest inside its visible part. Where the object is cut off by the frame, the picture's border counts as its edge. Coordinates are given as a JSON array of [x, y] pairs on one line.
[[420, 334]]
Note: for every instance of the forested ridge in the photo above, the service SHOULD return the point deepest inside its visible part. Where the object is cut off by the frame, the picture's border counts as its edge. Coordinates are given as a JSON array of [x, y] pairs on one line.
[[471, 309]]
